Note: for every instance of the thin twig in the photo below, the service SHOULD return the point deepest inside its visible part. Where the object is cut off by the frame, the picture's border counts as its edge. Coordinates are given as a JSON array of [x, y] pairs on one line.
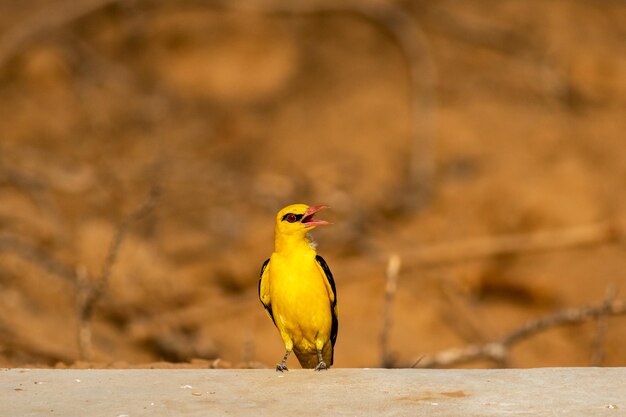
[[439, 254], [393, 268], [90, 292], [540, 241], [144, 208], [563, 317], [498, 350], [85, 348], [597, 347]]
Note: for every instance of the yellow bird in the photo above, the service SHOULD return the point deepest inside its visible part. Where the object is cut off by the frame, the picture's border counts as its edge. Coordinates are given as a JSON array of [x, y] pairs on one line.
[[298, 291]]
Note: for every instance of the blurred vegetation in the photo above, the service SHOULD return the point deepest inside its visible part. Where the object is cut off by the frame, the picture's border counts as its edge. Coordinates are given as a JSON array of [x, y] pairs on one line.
[[423, 124]]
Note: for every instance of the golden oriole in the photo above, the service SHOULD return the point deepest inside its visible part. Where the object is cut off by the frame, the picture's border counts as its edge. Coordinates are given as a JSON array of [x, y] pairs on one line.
[[298, 291]]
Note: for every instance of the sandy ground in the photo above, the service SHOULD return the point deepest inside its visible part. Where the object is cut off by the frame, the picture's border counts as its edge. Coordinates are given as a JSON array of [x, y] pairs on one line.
[[381, 392], [232, 115]]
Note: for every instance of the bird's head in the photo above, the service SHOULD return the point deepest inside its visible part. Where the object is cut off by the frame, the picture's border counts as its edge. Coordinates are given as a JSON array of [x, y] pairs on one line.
[[297, 219]]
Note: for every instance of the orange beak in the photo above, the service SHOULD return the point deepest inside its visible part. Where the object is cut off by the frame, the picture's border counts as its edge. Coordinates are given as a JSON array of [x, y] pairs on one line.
[[308, 219]]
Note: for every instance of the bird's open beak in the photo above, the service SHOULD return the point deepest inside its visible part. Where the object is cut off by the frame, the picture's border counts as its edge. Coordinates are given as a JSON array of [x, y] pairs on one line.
[[308, 219]]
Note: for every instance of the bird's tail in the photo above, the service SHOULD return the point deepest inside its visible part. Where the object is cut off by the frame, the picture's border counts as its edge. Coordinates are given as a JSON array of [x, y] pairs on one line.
[[308, 358]]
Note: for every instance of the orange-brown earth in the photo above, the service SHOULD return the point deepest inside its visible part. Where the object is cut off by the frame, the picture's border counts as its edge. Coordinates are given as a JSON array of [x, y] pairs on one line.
[[234, 114]]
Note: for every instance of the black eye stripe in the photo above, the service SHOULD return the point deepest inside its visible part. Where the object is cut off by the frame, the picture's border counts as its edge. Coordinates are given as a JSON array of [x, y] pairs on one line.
[[298, 216]]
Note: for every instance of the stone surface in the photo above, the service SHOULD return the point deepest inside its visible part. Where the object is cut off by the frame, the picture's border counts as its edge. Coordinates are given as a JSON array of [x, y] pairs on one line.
[[356, 392]]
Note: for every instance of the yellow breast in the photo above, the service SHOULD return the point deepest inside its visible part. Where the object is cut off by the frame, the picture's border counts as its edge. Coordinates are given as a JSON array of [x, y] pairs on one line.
[[300, 300]]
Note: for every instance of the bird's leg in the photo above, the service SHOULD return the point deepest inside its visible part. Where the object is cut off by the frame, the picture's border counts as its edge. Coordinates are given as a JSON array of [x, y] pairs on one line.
[[282, 366], [320, 361]]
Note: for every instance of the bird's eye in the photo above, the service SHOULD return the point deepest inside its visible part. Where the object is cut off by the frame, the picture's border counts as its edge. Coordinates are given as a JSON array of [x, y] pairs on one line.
[[291, 218]]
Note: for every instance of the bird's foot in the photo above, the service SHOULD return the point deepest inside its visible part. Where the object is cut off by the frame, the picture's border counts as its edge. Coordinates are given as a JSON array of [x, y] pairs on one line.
[[320, 361], [320, 366], [282, 366]]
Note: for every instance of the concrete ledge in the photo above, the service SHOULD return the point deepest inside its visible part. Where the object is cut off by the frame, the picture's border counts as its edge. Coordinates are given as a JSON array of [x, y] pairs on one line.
[[355, 392]]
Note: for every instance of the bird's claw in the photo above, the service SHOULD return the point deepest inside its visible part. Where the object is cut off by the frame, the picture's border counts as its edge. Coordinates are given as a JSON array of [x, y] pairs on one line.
[[281, 367], [320, 366]]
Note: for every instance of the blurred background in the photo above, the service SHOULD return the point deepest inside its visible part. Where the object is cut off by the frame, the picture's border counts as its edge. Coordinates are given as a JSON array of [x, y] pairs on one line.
[[146, 146]]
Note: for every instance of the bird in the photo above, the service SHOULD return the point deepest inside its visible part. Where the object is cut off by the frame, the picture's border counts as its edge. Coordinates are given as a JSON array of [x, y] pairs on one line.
[[298, 291]]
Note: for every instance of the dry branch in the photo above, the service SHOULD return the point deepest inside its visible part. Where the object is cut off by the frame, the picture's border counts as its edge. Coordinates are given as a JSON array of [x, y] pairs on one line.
[[540, 241], [497, 351], [393, 268], [597, 347], [90, 292]]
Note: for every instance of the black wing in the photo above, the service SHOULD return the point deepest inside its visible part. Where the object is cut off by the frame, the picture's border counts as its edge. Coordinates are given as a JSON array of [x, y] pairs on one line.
[[267, 306], [333, 307]]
